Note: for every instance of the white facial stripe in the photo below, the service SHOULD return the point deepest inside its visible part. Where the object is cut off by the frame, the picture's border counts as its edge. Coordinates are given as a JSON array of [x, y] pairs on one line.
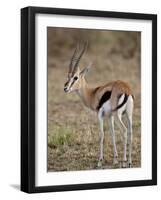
[[70, 84]]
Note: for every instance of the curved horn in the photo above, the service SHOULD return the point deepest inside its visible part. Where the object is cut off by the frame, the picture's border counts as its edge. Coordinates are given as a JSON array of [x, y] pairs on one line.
[[71, 65], [81, 54]]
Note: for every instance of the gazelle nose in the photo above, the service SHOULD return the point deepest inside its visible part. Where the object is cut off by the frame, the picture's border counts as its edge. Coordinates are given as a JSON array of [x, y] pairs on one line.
[[65, 89]]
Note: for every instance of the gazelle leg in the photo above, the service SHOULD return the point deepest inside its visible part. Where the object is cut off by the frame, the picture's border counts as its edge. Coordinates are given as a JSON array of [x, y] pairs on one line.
[[118, 118], [129, 111], [101, 137], [112, 132], [129, 139]]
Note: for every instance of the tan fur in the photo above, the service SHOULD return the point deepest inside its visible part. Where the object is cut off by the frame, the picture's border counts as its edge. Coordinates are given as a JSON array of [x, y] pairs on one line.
[[92, 96]]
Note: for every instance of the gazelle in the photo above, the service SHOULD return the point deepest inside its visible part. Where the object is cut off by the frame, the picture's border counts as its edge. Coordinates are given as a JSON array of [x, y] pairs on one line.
[[112, 100]]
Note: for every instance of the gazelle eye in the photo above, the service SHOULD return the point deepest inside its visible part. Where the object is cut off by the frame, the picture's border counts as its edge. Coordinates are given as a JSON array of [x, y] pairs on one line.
[[75, 78]]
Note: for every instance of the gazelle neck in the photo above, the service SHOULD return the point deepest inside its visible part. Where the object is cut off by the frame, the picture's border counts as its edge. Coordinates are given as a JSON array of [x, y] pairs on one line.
[[85, 93]]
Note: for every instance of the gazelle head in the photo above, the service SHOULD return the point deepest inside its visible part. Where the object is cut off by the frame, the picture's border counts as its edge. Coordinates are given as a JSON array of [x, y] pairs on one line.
[[75, 75]]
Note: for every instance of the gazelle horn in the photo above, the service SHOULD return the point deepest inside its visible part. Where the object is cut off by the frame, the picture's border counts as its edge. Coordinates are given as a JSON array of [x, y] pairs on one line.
[[81, 54], [73, 59]]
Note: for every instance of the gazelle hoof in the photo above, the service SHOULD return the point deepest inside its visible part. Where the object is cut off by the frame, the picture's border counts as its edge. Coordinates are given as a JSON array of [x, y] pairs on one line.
[[99, 163], [129, 164], [124, 164], [115, 161]]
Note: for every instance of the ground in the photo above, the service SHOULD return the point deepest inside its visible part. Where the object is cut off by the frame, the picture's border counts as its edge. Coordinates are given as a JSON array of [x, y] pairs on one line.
[[73, 140]]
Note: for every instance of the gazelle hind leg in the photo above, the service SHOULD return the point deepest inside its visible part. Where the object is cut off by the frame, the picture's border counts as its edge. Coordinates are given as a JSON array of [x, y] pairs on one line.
[[101, 137], [112, 132], [129, 111], [123, 129]]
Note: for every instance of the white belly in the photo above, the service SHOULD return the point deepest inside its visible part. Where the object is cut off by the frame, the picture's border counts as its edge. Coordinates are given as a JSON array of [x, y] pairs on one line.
[[106, 107]]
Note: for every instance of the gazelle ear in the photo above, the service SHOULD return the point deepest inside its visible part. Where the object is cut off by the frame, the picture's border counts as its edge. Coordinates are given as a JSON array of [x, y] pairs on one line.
[[85, 70]]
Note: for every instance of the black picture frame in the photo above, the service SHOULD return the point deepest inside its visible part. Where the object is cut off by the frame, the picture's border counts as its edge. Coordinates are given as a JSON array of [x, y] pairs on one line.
[[28, 98]]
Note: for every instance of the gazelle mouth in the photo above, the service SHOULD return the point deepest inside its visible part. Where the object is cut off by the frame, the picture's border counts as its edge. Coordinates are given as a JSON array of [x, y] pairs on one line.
[[66, 90]]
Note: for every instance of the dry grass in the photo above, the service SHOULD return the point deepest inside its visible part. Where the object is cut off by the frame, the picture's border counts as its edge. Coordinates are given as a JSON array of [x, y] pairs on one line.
[[72, 128]]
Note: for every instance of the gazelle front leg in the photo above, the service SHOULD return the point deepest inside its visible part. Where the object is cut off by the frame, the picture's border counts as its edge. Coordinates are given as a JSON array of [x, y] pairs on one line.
[[101, 136], [112, 132]]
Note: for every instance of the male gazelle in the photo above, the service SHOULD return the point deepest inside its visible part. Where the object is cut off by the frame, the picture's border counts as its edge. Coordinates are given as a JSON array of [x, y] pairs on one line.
[[112, 100]]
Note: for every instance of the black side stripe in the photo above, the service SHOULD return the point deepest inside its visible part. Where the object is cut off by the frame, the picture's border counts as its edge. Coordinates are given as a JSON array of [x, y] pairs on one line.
[[105, 97], [124, 101]]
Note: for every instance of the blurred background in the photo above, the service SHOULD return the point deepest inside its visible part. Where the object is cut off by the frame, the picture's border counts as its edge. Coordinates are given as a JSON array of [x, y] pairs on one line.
[[73, 142]]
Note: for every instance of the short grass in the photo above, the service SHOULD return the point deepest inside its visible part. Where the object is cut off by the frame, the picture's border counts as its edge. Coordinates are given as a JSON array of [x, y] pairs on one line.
[[60, 136]]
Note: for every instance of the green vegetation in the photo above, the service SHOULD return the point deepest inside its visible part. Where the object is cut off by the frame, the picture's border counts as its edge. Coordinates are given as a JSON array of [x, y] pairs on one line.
[[60, 136]]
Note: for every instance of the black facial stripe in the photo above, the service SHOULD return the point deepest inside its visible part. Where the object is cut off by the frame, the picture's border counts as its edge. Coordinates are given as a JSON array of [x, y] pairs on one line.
[[66, 83], [105, 97]]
